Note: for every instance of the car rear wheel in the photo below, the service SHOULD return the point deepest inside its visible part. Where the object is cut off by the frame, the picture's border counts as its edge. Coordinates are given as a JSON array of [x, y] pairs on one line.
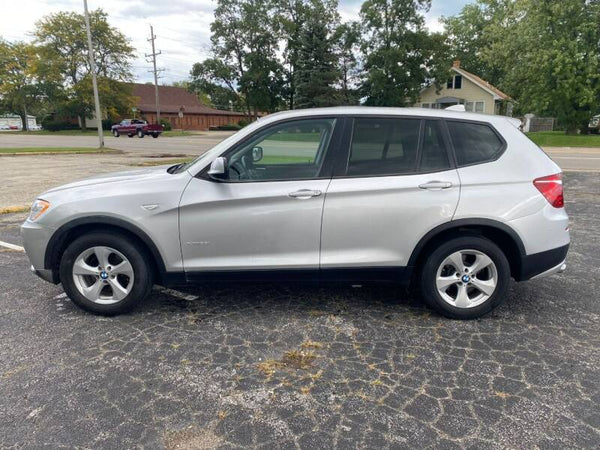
[[140, 133], [116, 133], [154, 135], [105, 273], [465, 278]]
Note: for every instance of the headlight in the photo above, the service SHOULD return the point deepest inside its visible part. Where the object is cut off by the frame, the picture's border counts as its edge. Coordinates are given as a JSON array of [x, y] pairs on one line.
[[38, 208]]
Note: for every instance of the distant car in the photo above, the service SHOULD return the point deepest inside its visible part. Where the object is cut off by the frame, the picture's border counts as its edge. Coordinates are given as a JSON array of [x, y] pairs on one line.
[[594, 124], [14, 127], [4, 127], [134, 127], [454, 202], [35, 128]]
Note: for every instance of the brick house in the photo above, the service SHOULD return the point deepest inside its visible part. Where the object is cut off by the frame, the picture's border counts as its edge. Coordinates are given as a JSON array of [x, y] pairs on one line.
[[173, 100]]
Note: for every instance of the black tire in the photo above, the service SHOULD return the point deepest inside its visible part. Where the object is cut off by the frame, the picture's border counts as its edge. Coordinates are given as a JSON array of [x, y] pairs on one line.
[[428, 274], [137, 256], [154, 135], [116, 133], [130, 135], [140, 133]]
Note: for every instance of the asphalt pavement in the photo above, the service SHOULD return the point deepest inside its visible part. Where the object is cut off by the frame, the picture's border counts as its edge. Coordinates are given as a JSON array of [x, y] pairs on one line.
[[288, 366]]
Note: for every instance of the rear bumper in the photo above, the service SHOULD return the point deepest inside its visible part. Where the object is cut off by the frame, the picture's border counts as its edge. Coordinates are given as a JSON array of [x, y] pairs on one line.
[[544, 263]]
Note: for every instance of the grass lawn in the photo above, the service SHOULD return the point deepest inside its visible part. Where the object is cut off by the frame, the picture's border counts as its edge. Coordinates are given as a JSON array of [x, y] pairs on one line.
[[162, 162], [560, 139], [53, 150], [54, 133]]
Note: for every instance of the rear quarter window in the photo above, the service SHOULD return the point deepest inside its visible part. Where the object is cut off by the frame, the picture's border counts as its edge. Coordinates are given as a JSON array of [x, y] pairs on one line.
[[474, 143]]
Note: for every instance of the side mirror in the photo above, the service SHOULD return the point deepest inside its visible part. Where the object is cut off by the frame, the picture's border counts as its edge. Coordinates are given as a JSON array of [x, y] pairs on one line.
[[218, 168], [257, 153]]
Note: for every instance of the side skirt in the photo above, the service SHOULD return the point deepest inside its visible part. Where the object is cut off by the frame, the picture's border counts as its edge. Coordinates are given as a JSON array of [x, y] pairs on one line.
[[363, 275]]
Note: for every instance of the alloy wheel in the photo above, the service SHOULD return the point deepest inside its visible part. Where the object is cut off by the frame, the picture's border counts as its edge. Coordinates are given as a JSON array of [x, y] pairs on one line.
[[466, 278], [103, 275]]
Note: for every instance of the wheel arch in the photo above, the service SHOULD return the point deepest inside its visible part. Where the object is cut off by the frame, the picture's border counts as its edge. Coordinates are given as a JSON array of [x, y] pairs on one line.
[[501, 234], [75, 228]]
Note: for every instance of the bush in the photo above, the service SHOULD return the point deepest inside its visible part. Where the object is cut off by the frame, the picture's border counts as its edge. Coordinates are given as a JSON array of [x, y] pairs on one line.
[[107, 124], [242, 123], [228, 127], [166, 125], [58, 125]]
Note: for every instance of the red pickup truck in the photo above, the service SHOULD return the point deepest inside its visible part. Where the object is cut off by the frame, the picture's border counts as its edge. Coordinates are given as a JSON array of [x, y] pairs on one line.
[[135, 127]]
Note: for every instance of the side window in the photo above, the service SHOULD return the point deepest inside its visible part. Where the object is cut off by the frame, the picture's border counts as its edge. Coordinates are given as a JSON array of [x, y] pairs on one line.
[[383, 147], [473, 142], [434, 155], [292, 150]]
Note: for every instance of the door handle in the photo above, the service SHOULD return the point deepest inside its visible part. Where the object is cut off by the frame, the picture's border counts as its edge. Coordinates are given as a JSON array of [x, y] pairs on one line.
[[436, 185], [304, 193]]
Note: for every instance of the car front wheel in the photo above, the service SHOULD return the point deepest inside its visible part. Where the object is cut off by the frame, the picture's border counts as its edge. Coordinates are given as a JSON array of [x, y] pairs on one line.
[[105, 273], [465, 278], [140, 134], [115, 133]]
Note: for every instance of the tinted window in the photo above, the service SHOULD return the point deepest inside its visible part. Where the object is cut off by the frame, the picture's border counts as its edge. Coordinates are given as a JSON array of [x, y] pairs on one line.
[[383, 146], [293, 150], [434, 155], [473, 143]]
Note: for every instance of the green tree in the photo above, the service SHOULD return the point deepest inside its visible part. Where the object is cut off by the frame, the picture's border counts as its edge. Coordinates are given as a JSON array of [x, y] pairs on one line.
[[401, 56], [21, 91], [62, 42], [347, 41], [245, 42], [219, 82], [317, 64], [476, 34], [554, 64], [544, 53]]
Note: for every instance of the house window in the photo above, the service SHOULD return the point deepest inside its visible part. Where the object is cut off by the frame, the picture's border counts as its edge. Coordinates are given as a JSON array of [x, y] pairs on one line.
[[458, 82], [449, 84], [425, 105], [477, 107]]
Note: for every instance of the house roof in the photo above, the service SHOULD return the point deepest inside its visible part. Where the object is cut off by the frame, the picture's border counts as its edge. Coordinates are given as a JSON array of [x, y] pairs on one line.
[[172, 100], [497, 93]]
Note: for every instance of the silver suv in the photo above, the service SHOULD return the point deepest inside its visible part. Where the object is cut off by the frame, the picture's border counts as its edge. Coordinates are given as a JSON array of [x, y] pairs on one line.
[[456, 203]]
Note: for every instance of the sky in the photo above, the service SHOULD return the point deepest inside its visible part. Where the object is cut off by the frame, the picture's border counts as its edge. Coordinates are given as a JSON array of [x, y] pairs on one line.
[[182, 27]]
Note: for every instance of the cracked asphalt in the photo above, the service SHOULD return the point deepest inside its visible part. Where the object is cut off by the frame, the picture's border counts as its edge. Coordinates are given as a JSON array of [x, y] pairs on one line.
[[284, 366]]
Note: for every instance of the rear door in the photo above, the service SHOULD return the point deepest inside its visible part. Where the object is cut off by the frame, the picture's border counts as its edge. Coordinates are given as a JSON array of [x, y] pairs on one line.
[[395, 183]]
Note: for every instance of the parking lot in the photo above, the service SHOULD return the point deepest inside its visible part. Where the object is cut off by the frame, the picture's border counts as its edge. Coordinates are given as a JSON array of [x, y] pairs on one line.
[[287, 366]]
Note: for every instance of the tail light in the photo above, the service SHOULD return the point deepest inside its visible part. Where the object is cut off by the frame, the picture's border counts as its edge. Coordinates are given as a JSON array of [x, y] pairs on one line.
[[551, 187]]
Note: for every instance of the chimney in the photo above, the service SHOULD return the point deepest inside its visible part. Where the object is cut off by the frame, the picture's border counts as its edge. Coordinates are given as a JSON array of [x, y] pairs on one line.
[[456, 64]]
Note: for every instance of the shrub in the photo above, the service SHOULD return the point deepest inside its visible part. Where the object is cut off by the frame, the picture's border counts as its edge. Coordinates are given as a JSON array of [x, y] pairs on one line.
[[166, 125], [57, 125]]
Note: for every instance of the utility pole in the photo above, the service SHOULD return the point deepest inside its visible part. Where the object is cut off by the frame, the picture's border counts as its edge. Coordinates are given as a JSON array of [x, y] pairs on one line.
[[153, 55], [94, 81]]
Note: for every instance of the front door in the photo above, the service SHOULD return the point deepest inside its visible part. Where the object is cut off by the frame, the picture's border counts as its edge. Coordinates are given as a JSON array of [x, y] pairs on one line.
[[266, 213]]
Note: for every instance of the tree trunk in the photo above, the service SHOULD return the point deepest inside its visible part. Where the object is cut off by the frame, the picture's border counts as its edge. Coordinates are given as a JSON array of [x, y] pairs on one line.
[[81, 118], [24, 118]]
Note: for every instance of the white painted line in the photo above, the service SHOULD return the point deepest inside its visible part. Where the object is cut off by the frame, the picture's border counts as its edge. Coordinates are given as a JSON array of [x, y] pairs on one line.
[[177, 294], [12, 246]]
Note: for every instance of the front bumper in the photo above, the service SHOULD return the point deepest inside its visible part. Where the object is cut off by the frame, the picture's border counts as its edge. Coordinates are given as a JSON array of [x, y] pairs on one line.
[[35, 241], [45, 274]]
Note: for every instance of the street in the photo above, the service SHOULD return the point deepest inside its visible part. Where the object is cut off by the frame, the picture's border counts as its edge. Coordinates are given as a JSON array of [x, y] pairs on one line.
[[286, 366]]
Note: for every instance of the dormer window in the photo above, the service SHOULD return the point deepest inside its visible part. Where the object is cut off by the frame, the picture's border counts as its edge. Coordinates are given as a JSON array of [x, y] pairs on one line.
[[455, 82]]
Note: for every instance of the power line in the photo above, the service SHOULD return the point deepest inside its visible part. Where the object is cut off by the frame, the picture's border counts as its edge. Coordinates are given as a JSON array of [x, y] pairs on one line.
[[155, 71]]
